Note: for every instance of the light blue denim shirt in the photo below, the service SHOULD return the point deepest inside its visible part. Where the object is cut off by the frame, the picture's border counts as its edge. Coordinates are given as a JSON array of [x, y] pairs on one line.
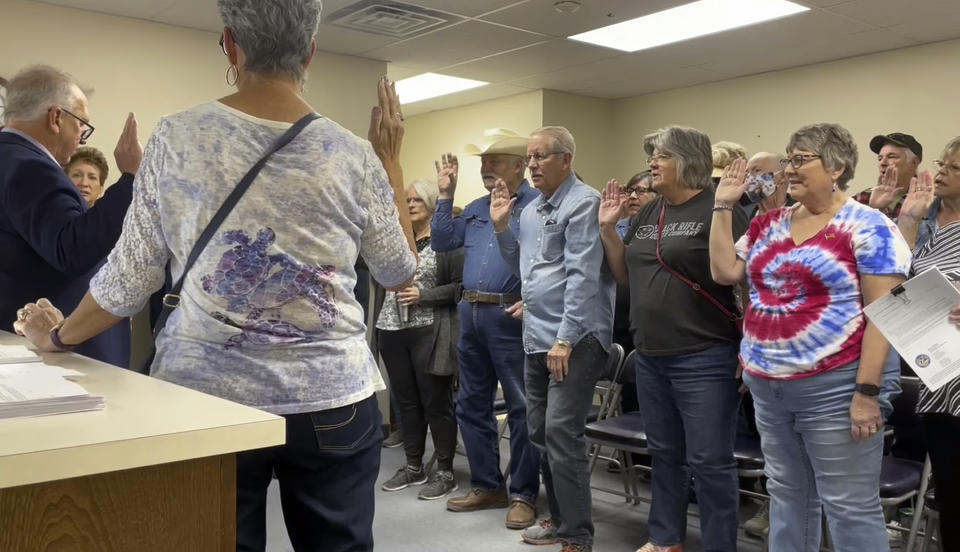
[[926, 228], [568, 291]]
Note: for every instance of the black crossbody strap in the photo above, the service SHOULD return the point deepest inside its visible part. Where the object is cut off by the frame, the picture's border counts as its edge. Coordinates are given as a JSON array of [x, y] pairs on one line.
[[172, 299]]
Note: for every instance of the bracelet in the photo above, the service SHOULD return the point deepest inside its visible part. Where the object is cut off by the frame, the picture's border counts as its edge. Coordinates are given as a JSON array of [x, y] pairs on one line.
[[722, 207], [55, 337]]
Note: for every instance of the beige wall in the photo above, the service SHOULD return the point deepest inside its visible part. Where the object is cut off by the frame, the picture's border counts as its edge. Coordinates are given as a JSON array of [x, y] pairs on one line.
[[910, 90], [428, 135], [154, 69], [591, 121]]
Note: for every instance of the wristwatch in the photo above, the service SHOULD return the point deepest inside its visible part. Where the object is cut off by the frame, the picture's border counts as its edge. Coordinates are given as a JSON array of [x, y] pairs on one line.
[[55, 337], [867, 389], [564, 343]]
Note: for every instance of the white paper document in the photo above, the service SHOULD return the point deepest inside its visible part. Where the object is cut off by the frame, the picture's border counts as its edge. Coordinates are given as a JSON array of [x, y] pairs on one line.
[[913, 318], [17, 353], [34, 389]]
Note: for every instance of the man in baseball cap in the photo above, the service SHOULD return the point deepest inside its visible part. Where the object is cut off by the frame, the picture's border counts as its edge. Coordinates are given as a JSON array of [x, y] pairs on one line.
[[899, 156]]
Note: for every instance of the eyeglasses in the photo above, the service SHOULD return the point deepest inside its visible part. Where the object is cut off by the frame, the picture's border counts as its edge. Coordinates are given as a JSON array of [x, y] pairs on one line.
[[222, 47], [86, 129], [947, 167], [658, 158], [638, 191], [539, 157], [797, 161]]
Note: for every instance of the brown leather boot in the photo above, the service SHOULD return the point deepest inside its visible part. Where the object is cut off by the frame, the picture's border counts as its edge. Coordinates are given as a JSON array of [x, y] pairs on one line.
[[478, 499], [521, 514]]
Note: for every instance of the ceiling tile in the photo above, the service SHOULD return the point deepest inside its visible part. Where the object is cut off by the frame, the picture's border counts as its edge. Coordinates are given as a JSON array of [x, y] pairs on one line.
[[456, 44], [540, 15], [539, 58], [139, 9], [885, 13], [469, 8], [942, 28]]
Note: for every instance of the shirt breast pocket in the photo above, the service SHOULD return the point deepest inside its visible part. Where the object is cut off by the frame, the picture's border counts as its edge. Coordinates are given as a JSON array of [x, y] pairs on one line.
[[475, 231], [551, 246]]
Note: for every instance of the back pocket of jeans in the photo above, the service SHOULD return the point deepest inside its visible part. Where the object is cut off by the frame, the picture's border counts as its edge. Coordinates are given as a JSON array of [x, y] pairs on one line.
[[343, 428]]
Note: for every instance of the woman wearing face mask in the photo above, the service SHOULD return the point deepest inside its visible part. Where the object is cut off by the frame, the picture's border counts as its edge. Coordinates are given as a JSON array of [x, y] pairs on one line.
[[813, 363]]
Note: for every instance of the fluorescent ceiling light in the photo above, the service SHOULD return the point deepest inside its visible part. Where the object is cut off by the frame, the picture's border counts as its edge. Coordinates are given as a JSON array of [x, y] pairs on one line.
[[431, 85], [687, 21]]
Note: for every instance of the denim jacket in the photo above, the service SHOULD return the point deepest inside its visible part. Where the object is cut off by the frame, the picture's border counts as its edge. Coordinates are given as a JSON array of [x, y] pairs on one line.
[[927, 227]]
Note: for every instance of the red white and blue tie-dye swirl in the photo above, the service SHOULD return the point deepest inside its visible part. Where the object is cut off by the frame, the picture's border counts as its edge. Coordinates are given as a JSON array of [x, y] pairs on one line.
[[806, 309]]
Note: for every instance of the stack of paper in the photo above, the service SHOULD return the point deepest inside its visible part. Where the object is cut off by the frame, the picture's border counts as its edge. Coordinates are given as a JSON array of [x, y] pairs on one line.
[[17, 353], [35, 389]]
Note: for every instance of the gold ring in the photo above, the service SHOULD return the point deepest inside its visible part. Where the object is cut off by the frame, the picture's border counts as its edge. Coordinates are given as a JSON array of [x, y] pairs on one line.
[[22, 314]]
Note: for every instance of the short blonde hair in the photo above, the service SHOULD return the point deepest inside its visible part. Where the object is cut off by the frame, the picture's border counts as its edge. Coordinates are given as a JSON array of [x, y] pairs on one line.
[[724, 153], [428, 192], [91, 156]]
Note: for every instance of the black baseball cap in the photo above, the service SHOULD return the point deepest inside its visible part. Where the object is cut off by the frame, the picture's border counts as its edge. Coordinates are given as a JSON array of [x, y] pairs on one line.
[[897, 139]]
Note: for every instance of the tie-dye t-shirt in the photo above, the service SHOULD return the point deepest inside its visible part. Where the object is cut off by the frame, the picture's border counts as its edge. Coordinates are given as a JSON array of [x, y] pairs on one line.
[[806, 309], [267, 316]]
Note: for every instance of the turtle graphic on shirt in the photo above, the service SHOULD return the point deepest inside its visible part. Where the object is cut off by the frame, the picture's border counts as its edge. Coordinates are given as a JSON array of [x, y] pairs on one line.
[[258, 283]]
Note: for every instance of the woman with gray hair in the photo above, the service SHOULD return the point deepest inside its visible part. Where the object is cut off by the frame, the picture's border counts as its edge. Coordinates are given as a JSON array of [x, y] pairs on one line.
[[686, 337], [267, 315], [814, 364], [417, 331]]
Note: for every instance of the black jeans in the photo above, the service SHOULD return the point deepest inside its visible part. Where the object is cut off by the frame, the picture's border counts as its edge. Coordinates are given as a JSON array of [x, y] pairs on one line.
[[944, 448], [327, 472], [424, 399]]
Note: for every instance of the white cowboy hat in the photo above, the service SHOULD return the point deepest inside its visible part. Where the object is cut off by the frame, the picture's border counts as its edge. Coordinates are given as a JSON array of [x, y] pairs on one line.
[[500, 141]]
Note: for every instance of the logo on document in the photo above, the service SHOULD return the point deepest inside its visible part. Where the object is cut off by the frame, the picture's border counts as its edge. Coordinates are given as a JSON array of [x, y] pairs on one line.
[[923, 361]]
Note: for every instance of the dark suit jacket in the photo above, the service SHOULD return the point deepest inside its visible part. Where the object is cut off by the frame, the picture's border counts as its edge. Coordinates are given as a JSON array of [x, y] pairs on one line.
[[51, 243]]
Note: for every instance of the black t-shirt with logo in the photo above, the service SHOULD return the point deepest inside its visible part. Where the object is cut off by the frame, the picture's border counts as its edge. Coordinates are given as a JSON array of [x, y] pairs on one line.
[[667, 317]]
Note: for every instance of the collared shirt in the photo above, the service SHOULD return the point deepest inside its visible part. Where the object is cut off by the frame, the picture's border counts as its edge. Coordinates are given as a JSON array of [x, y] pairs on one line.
[[623, 226], [32, 140], [892, 211], [484, 268], [568, 291]]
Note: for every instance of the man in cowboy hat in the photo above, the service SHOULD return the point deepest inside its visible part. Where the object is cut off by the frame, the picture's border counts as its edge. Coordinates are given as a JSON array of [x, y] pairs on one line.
[[899, 156], [491, 346]]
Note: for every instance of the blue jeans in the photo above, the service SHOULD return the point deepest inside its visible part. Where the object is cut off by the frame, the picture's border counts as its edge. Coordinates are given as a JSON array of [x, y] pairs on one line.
[[557, 414], [327, 472], [689, 407], [812, 461], [491, 349]]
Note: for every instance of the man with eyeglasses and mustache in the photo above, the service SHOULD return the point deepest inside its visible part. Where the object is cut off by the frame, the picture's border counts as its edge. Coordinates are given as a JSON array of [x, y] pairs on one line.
[[491, 346], [52, 241]]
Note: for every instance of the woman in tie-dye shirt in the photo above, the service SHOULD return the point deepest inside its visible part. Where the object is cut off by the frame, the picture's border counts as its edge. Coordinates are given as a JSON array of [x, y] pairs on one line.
[[813, 362]]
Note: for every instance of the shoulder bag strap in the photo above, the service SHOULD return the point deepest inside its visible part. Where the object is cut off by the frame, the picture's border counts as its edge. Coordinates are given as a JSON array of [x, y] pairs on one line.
[[172, 299]]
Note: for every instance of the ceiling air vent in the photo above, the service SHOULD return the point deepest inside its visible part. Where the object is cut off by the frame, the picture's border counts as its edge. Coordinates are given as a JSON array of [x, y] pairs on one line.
[[388, 18]]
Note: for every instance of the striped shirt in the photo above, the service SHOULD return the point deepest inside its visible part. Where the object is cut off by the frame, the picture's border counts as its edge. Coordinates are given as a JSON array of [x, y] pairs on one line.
[[941, 251]]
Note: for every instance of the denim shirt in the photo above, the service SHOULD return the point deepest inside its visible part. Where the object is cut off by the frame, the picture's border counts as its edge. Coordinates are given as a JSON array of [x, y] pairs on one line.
[[568, 291], [483, 267], [927, 227]]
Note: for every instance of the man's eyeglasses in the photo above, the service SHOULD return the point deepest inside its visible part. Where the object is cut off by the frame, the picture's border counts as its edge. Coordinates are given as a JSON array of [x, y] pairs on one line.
[[658, 158], [797, 161], [947, 167], [539, 157], [638, 191], [86, 129]]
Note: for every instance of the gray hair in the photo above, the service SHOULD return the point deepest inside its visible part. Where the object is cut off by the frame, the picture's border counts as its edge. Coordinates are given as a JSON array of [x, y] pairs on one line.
[[275, 35], [691, 149], [833, 143], [952, 147], [562, 139], [36, 89], [428, 192]]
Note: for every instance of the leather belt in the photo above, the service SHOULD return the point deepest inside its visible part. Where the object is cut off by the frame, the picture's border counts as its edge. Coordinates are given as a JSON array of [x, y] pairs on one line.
[[502, 299]]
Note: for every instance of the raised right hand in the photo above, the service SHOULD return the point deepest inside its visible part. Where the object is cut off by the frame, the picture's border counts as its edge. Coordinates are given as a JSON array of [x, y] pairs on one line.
[[501, 205], [447, 170], [129, 152], [613, 203], [386, 124], [733, 182], [886, 189], [919, 196]]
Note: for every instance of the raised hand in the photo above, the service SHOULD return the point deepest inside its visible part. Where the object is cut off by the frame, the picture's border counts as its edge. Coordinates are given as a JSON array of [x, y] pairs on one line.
[[919, 196], [386, 124], [501, 205], [613, 203], [447, 170], [129, 152], [733, 182], [885, 191]]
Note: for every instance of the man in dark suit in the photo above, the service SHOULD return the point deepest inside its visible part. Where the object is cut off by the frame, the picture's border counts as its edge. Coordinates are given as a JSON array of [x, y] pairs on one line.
[[51, 241]]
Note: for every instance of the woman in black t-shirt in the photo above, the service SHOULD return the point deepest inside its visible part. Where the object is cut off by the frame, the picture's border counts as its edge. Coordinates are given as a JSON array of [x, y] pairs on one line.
[[686, 339]]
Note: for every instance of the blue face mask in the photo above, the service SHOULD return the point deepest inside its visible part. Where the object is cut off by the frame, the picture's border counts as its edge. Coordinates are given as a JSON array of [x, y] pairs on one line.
[[759, 187]]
